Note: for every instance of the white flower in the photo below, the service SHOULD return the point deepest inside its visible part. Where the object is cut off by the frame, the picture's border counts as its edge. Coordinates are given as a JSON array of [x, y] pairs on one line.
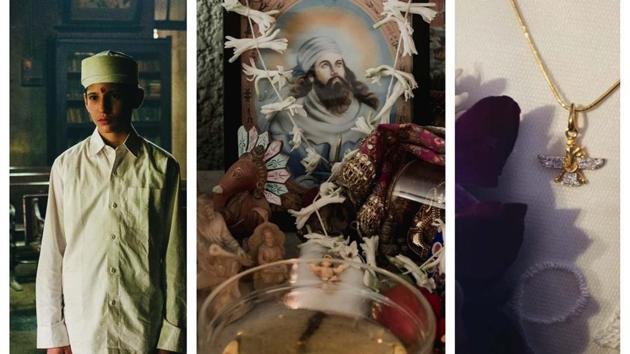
[[302, 216], [369, 246], [346, 251], [264, 20], [422, 9], [311, 161], [288, 104], [406, 79], [383, 114], [419, 275], [336, 169], [405, 84], [336, 245], [278, 77], [329, 189], [241, 45], [405, 29], [435, 261], [393, 11], [297, 137]]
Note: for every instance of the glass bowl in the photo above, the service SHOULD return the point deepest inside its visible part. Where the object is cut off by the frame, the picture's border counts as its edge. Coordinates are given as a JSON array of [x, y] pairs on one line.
[[315, 306]]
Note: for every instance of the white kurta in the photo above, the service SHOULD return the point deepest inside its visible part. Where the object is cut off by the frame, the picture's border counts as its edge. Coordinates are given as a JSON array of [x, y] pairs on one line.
[[111, 273]]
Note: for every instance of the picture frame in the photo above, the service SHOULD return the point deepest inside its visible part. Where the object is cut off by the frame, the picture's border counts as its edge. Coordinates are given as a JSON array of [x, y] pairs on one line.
[[345, 21], [94, 12], [32, 72]]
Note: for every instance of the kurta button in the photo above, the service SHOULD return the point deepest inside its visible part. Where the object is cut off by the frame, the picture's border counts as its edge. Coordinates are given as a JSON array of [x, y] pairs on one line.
[[113, 302], [114, 205], [113, 236], [112, 270]]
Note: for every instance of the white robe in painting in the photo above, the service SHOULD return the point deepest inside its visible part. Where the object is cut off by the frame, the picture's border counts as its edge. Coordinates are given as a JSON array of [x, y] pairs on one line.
[[329, 134]]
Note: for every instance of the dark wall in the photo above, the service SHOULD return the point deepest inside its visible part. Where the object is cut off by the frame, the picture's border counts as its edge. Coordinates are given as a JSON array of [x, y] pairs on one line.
[[32, 22], [210, 138]]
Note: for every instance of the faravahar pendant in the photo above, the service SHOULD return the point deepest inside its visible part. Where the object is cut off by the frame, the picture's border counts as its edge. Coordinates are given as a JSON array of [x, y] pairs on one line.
[[575, 159]]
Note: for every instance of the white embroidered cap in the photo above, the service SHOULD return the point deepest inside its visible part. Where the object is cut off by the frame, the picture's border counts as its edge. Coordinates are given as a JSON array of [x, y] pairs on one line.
[[109, 67]]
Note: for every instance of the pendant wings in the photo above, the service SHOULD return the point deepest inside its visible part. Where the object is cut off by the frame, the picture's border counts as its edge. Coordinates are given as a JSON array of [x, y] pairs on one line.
[[571, 178]]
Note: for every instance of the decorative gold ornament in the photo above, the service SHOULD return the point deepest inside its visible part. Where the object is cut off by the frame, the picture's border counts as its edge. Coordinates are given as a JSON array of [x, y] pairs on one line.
[[371, 215], [357, 174], [575, 159], [422, 231]]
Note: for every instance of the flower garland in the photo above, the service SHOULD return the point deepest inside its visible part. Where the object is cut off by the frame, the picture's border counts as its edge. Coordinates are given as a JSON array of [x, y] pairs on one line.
[[401, 84], [393, 10]]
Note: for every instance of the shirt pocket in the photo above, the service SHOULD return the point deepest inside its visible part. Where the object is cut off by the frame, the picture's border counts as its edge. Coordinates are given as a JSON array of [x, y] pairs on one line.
[[137, 218], [142, 253]]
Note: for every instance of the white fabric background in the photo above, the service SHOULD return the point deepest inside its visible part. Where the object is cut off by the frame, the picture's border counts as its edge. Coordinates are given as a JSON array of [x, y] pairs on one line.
[[579, 41]]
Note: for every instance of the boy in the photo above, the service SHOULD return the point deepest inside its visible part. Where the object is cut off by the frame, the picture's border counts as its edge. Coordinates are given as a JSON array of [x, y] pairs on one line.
[[111, 273]]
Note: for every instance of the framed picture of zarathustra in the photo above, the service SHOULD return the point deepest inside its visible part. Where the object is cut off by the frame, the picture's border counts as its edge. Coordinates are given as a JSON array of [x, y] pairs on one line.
[[330, 47]]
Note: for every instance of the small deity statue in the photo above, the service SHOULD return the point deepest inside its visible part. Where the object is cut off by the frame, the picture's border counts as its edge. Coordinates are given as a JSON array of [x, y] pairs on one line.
[[269, 252], [266, 245], [326, 271], [256, 180], [219, 256]]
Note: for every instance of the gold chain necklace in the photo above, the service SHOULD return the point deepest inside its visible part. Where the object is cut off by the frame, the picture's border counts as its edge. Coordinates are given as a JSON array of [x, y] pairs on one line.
[[575, 159]]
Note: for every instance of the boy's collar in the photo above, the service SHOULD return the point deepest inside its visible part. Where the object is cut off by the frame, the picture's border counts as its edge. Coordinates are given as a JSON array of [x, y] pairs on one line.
[[133, 143]]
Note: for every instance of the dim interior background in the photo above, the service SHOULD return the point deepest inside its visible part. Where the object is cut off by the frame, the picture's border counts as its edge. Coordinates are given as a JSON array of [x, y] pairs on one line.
[[48, 39]]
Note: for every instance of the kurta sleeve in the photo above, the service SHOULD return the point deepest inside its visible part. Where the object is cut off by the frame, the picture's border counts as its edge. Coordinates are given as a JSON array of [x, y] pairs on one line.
[[172, 334], [51, 327]]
